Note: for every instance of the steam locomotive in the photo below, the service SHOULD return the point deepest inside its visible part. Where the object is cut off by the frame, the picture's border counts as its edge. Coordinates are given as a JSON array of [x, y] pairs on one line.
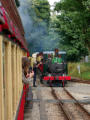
[[55, 69]]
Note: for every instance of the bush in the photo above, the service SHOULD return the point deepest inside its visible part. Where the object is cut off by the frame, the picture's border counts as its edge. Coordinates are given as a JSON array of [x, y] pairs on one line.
[[84, 69]]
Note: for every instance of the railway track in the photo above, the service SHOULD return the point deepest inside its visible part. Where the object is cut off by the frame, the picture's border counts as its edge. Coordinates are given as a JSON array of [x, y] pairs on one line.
[[60, 105], [55, 104], [71, 111]]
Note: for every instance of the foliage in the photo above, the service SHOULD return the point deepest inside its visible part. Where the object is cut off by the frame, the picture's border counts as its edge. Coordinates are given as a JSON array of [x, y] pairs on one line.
[[74, 27], [41, 11], [84, 70]]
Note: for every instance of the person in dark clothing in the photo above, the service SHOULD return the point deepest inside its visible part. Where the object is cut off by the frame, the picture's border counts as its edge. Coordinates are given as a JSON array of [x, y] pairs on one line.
[[56, 52], [34, 78], [40, 67]]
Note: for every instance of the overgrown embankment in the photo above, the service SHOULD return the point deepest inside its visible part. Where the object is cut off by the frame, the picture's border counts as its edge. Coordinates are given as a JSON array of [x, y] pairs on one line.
[[84, 70]]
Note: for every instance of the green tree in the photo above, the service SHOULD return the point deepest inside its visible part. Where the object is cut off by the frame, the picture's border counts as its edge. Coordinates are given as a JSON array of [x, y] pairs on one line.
[[39, 10], [73, 26]]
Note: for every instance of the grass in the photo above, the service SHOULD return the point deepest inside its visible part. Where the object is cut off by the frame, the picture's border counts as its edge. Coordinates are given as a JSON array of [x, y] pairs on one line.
[[84, 70]]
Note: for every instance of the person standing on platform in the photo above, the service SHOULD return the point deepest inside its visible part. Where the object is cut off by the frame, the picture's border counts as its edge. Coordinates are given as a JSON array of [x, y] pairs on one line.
[[40, 67], [34, 78]]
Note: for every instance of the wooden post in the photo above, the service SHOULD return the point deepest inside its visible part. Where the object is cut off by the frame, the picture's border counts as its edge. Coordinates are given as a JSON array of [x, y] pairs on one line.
[[1, 82], [8, 81]]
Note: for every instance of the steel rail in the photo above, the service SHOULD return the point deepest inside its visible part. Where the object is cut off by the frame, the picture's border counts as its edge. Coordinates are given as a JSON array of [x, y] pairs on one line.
[[67, 116], [77, 102]]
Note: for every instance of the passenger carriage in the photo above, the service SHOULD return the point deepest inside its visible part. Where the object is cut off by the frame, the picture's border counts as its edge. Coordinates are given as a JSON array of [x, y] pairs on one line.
[[12, 49]]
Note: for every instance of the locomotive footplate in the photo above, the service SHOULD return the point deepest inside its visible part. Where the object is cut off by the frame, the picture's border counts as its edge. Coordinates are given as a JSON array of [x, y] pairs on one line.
[[57, 79]]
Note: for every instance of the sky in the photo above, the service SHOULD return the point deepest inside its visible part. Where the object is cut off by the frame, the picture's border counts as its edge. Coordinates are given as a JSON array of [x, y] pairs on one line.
[[52, 2]]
